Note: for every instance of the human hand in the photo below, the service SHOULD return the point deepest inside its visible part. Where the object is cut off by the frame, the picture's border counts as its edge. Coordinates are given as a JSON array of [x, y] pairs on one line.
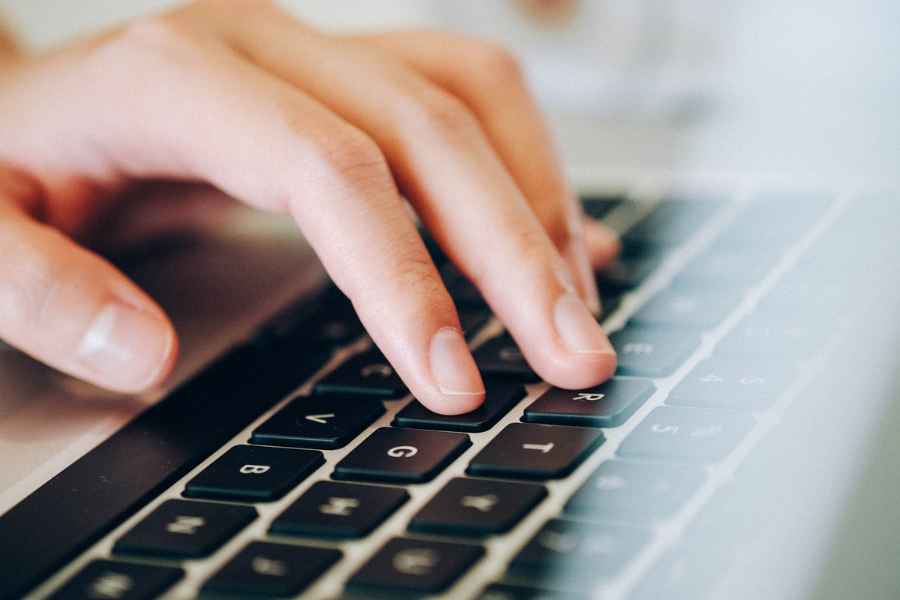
[[334, 130]]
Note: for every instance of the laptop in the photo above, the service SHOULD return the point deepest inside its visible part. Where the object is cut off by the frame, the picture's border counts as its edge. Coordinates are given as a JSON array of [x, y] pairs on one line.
[[745, 448]]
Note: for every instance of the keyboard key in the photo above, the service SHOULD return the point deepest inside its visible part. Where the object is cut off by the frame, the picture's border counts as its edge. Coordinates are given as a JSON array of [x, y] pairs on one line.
[[475, 507], [685, 572], [339, 510], [686, 434], [576, 555], [184, 529], [254, 474], [316, 422], [367, 375], [527, 451], [775, 220], [687, 308], [408, 566], [733, 384], [724, 267], [500, 398], [652, 352], [773, 339], [472, 320], [398, 455], [627, 272], [503, 591], [119, 580], [268, 570], [501, 356], [607, 405], [598, 206], [671, 223], [463, 291], [639, 493]]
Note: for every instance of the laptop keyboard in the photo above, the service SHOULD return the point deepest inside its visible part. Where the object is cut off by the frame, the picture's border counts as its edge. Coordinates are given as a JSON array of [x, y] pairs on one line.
[[349, 488]]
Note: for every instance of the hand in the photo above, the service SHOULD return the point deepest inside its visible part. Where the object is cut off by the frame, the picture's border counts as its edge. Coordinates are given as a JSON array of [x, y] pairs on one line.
[[330, 129]]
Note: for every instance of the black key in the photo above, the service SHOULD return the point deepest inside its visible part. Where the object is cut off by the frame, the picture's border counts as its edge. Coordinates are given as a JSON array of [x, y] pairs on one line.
[[607, 405], [254, 474], [407, 566], [610, 300], [185, 529], [501, 356], [671, 223], [472, 320], [476, 507], [402, 455], [627, 272], [686, 434], [576, 555], [271, 570], [500, 398], [652, 352], [631, 492], [687, 308], [119, 580], [733, 384], [367, 375], [598, 206], [502, 591], [463, 291], [339, 510], [526, 451], [317, 422]]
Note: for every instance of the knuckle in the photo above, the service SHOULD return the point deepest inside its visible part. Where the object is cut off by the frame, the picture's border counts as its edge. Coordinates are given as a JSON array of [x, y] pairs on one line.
[[495, 61], [355, 158], [444, 115]]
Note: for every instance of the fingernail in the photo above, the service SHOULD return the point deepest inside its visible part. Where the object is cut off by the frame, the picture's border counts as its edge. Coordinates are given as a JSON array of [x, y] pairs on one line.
[[126, 348], [578, 328], [452, 365]]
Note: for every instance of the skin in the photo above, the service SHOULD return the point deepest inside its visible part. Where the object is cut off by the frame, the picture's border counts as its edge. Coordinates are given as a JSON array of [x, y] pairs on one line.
[[339, 132]]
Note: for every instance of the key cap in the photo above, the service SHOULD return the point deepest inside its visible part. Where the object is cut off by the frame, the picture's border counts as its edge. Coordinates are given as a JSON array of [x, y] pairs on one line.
[[472, 320], [339, 510], [725, 267], [641, 493], [686, 572], [316, 422], [775, 220], [672, 222], [254, 474], [367, 375], [598, 206], [527, 451], [610, 300], [408, 566], [686, 434], [502, 591], [652, 352], [627, 272], [463, 291], [773, 340], [398, 455], [478, 508], [501, 356], [501, 396], [263, 569], [185, 529], [607, 405], [687, 308], [119, 580], [732, 384], [576, 555]]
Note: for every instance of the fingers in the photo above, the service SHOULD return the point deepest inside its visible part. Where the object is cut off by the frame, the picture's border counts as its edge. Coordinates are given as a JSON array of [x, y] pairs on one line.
[[489, 81], [269, 144], [74, 311], [602, 243], [460, 188]]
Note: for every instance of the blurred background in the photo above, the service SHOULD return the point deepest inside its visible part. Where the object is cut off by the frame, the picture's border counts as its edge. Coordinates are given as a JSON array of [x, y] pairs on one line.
[[805, 87]]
